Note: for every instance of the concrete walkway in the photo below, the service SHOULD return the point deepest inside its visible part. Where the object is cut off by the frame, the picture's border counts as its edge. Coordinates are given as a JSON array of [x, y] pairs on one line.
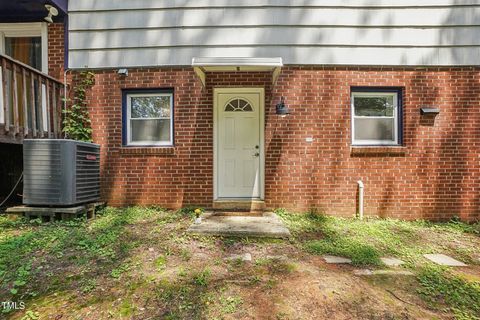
[[263, 225]]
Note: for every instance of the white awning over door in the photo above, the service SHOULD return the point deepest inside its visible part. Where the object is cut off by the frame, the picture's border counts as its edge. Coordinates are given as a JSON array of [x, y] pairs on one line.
[[202, 65]]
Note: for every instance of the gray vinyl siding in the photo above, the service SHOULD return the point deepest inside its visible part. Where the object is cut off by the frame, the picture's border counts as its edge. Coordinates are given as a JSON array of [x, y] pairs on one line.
[[125, 33]]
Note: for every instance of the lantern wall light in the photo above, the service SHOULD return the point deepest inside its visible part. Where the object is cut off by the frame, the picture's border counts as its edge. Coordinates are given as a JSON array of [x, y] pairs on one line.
[[281, 108]]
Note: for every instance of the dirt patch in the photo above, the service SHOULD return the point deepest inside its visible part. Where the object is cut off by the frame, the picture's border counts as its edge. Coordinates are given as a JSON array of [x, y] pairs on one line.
[[158, 271], [318, 291]]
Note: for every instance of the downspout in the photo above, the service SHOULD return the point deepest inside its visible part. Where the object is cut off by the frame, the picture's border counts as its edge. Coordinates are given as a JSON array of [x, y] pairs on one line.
[[360, 199], [65, 58]]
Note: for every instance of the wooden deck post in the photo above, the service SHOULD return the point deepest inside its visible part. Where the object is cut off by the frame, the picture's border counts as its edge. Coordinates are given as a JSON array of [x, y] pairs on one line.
[[6, 96], [40, 105], [47, 99], [32, 101], [16, 104], [54, 111], [25, 100]]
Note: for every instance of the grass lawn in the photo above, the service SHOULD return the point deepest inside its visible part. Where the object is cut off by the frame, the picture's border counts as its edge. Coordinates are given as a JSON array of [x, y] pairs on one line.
[[139, 263]]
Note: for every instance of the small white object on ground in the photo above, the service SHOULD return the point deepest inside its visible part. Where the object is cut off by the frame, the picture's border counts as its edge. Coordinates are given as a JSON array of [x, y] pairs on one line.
[[363, 272], [198, 220], [246, 257], [392, 262], [444, 260], [336, 259]]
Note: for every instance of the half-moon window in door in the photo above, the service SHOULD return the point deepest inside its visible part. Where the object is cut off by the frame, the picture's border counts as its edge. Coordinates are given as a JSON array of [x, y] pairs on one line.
[[238, 104]]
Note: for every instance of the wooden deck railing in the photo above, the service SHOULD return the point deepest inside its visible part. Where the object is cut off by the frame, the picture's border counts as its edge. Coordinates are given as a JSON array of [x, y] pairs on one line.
[[30, 102]]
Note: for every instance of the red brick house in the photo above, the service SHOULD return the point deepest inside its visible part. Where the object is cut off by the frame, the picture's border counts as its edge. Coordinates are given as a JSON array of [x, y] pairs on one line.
[[384, 92], [355, 77]]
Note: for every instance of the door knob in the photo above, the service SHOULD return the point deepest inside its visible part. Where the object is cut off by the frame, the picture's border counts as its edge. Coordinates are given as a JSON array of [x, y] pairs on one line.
[[257, 147], [256, 154]]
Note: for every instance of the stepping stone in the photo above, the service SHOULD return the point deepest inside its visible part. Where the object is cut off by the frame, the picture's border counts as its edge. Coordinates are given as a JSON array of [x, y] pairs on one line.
[[362, 272], [336, 259], [278, 258], [247, 257], [394, 272], [392, 262], [444, 260], [367, 272]]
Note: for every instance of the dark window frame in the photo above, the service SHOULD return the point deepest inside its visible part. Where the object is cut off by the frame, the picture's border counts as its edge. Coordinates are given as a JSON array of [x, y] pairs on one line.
[[400, 116], [125, 125]]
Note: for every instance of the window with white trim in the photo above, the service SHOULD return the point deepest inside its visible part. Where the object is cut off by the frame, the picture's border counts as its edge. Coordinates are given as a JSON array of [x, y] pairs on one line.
[[149, 118], [26, 42], [376, 117]]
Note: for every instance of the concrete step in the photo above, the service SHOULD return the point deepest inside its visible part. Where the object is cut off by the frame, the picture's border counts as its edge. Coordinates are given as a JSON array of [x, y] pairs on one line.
[[239, 205], [222, 213], [267, 225]]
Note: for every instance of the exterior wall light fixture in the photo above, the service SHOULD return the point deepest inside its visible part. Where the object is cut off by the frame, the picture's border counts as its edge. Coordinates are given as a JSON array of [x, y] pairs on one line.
[[429, 111], [52, 12], [281, 108], [123, 72]]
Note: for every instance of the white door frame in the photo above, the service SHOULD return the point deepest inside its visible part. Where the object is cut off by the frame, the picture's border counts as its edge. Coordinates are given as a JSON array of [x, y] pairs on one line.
[[29, 29], [260, 91]]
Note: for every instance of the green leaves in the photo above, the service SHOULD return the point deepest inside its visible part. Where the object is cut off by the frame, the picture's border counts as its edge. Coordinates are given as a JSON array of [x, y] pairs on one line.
[[230, 304], [439, 285], [22, 277], [30, 315], [202, 278], [117, 272], [25, 244], [160, 263], [77, 123], [360, 253]]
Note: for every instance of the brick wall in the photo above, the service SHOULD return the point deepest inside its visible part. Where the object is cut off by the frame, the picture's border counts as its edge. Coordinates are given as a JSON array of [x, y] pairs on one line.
[[56, 50], [435, 175]]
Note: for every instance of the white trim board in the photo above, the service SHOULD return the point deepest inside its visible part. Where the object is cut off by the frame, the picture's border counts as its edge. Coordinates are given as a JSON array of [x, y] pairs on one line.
[[33, 29], [92, 5], [128, 128], [395, 116], [2, 101]]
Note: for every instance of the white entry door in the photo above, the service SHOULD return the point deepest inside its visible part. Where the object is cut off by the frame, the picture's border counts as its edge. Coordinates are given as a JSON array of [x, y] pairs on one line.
[[238, 127]]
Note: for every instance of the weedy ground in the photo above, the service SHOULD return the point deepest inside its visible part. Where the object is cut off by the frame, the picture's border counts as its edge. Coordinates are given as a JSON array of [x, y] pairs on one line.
[[139, 263]]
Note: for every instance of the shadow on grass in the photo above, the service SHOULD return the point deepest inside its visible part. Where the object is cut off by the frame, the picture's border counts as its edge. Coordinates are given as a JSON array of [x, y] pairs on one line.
[[364, 242], [37, 260], [184, 299]]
